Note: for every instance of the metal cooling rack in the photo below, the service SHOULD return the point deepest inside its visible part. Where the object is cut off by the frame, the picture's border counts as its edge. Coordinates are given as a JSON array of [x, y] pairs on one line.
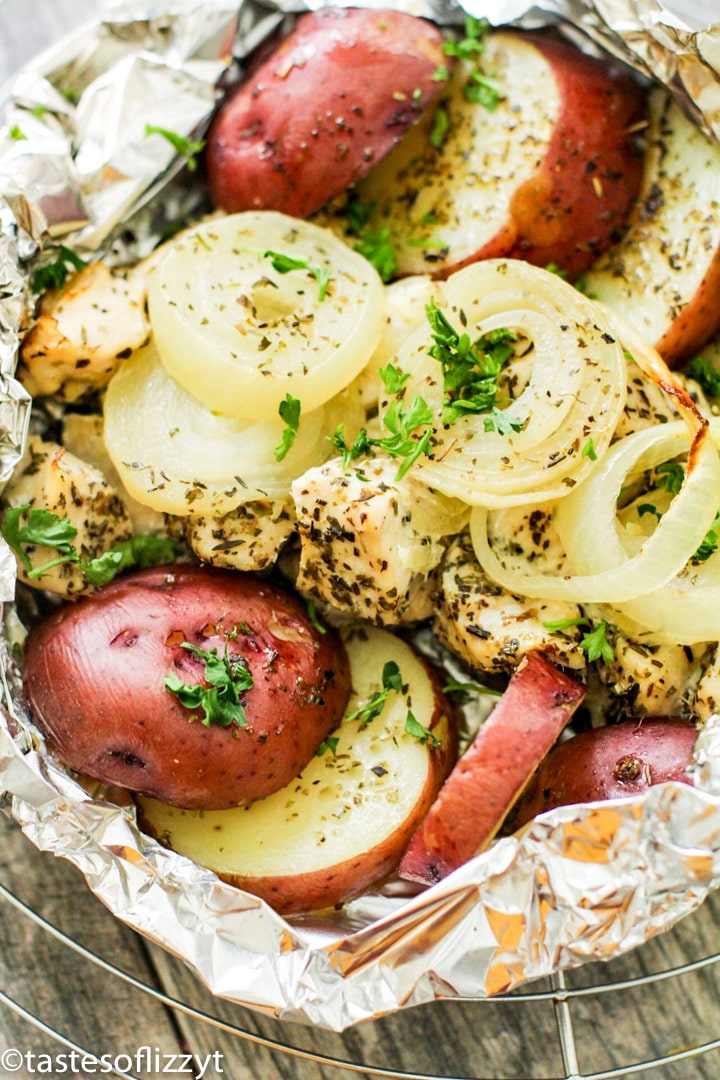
[[560, 998]]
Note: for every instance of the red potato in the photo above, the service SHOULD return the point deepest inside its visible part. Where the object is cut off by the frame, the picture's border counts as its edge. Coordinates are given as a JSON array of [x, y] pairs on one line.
[[547, 176], [486, 782], [610, 763], [663, 276], [94, 680], [335, 97], [343, 824]]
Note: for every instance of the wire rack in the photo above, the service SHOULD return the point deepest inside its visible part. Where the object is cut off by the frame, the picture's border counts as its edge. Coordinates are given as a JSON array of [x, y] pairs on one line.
[[560, 997]]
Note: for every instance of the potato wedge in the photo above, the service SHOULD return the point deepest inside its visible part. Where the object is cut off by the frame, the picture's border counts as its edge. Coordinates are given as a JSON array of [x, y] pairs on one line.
[[342, 825], [489, 777]]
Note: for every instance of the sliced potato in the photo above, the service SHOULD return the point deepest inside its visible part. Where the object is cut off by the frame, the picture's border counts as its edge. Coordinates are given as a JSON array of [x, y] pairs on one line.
[[174, 454], [344, 823], [240, 328]]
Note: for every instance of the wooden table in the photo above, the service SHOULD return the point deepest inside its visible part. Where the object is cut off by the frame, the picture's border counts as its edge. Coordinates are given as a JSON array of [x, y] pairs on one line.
[[99, 1011]]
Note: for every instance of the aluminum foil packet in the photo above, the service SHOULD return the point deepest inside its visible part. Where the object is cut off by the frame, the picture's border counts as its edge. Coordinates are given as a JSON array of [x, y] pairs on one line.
[[578, 883]]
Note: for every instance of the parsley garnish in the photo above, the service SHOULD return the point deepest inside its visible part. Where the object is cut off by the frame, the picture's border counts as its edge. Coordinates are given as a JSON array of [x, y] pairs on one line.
[[500, 421], [440, 74], [670, 476], [228, 677], [440, 128], [393, 378], [289, 411], [648, 508], [553, 268], [375, 246], [478, 87], [706, 375], [455, 686], [471, 370], [422, 734], [183, 146], [284, 264], [361, 445], [17, 133], [710, 544], [596, 646], [563, 624], [44, 528], [589, 450], [391, 681], [402, 424], [54, 275], [314, 621], [328, 744]]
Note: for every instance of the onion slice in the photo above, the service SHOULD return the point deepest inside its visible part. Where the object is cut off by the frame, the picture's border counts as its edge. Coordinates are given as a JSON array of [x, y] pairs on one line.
[[587, 524], [572, 388]]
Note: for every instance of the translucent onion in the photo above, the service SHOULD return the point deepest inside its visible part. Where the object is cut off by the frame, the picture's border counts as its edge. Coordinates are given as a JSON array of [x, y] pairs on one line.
[[239, 333], [604, 571], [177, 456], [574, 389]]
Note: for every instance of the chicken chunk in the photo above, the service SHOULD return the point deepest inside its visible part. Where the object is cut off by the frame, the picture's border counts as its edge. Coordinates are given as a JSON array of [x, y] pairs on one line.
[[250, 538], [84, 332], [363, 550], [82, 435], [652, 680], [490, 628], [51, 478], [707, 695]]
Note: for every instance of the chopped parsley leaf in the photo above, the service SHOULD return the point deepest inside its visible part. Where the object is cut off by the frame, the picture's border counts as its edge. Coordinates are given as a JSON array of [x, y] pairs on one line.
[[553, 268], [361, 445], [670, 476], [478, 87], [289, 412], [499, 421], [393, 378], [710, 544], [314, 621], [285, 264], [440, 128], [482, 91], [375, 246], [358, 215], [402, 425], [180, 143], [559, 625], [470, 369], [17, 133], [648, 508], [596, 646], [422, 734], [706, 375], [472, 44], [54, 275], [328, 744], [228, 676], [589, 450], [43, 528], [391, 681], [440, 74]]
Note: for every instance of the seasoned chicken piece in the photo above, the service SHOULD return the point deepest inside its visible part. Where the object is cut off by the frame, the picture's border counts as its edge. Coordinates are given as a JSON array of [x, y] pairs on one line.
[[652, 680], [707, 695], [250, 538], [84, 332], [366, 546], [490, 628], [82, 434], [51, 478]]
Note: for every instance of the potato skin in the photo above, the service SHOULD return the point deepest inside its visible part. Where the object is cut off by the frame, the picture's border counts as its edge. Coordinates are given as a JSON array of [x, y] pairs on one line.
[[577, 202], [94, 678], [333, 99], [610, 763]]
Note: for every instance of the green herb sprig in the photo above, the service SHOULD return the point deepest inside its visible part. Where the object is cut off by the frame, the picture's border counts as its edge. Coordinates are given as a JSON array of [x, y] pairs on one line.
[[183, 146], [285, 264], [422, 734], [54, 275], [706, 375], [289, 412], [228, 678], [391, 683]]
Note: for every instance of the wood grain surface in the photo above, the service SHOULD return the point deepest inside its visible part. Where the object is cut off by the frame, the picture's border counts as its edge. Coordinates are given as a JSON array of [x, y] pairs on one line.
[[99, 1011]]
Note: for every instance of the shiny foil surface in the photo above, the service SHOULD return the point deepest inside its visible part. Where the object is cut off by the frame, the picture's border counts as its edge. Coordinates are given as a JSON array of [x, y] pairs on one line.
[[579, 883]]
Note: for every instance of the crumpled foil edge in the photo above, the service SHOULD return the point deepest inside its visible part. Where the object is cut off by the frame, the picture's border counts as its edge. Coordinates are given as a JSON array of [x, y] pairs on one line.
[[578, 883]]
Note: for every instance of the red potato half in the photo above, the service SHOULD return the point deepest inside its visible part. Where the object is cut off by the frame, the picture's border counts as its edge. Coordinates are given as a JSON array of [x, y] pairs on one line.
[[334, 98], [486, 782], [547, 176], [94, 676], [342, 825], [610, 763], [664, 275]]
